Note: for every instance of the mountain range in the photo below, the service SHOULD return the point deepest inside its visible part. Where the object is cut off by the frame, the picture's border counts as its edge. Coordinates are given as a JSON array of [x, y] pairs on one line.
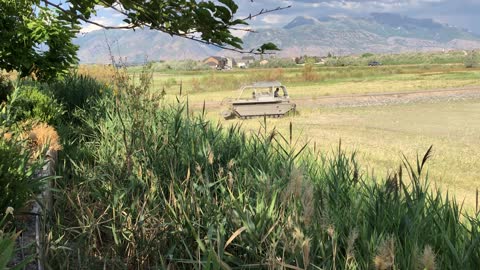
[[377, 33]]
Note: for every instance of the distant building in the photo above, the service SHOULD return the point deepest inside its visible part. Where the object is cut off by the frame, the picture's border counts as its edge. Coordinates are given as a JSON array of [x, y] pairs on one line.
[[230, 63], [241, 64], [248, 59], [218, 62], [215, 62], [263, 62]]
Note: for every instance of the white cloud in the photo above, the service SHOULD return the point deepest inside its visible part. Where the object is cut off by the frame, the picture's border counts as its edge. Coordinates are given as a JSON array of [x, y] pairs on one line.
[[240, 33], [89, 28], [273, 19]]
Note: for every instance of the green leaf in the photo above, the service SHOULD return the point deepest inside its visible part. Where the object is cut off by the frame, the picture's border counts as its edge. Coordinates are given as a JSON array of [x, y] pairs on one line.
[[268, 47], [230, 4], [7, 243]]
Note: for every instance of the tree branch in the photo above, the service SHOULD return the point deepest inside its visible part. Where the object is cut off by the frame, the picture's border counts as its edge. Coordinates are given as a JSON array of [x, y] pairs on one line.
[[187, 35], [264, 11], [81, 17]]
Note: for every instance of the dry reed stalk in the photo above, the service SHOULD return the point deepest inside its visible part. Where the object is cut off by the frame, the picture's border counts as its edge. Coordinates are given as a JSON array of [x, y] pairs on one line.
[[230, 180], [331, 233], [385, 258], [210, 157], [230, 164], [295, 184], [352, 237], [306, 253], [477, 210], [307, 203], [427, 260]]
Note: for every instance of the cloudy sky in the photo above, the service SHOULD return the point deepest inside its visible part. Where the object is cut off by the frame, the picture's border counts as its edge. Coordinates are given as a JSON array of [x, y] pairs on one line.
[[461, 13]]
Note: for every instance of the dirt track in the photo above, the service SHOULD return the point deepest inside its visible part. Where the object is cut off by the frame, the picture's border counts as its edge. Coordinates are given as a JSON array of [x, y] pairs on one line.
[[378, 99], [405, 97]]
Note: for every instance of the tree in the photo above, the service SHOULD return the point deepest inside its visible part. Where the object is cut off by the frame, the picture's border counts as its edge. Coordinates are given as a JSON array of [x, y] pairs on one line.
[[33, 39], [471, 59], [42, 30]]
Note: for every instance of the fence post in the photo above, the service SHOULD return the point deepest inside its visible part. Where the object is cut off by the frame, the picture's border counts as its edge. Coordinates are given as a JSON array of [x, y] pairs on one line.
[[477, 210]]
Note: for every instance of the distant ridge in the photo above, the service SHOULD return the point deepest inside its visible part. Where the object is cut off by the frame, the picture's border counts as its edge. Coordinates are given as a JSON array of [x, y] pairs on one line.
[[299, 21], [138, 46], [376, 33]]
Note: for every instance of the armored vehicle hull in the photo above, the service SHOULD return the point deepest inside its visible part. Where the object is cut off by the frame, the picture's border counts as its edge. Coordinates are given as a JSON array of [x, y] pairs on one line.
[[269, 103]]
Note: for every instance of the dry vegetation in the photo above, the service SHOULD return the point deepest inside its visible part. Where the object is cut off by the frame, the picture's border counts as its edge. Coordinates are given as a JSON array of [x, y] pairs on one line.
[[102, 73]]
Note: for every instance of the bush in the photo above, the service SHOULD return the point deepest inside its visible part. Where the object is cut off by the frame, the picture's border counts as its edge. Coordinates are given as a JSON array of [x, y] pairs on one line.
[[6, 87], [77, 91], [17, 174], [471, 59], [29, 102], [308, 72]]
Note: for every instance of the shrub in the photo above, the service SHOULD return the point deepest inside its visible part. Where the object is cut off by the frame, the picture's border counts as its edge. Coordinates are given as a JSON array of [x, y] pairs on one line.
[[76, 91], [471, 59], [6, 87], [308, 72], [29, 102], [17, 173]]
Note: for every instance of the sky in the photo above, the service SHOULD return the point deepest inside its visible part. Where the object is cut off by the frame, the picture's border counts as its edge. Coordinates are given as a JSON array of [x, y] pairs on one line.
[[460, 13]]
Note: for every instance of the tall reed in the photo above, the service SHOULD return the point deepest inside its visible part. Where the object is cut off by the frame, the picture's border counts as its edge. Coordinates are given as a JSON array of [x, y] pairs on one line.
[[168, 189]]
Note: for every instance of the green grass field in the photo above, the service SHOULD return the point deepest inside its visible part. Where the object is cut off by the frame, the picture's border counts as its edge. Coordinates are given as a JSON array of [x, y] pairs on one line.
[[322, 81], [380, 134]]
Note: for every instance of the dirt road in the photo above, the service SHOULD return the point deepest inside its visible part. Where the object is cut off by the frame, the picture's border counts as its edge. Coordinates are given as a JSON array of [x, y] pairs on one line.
[[378, 99], [404, 97]]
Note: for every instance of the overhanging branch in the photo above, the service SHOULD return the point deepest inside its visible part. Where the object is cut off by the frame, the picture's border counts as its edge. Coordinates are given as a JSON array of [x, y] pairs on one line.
[[187, 35]]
